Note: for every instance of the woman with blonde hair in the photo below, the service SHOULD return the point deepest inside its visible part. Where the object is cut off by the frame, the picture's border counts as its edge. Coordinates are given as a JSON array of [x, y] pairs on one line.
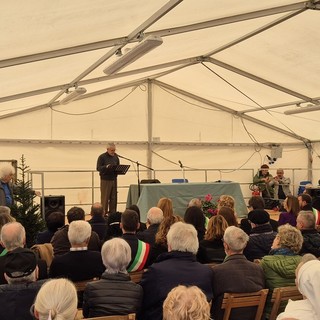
[[226, 201], [56, 300], [165, 204], [186, 303], [211, 249]]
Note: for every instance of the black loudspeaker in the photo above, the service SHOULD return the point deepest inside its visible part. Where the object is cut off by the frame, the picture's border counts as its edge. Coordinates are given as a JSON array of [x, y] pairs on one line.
[[52, 204], [150, 181]]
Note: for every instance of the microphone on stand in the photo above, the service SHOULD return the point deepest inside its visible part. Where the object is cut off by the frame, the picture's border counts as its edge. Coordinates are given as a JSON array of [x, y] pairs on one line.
[[180, 163]]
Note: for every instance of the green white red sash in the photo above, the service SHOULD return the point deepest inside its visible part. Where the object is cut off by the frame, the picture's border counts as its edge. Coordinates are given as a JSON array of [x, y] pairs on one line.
[[317, 215], [141, 257]]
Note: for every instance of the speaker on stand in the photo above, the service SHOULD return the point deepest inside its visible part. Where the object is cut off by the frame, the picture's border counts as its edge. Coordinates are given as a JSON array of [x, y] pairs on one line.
[[52, 204]]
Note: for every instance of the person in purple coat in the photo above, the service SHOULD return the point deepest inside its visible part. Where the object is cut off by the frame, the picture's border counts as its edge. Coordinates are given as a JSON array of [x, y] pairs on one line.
[[292, 207]]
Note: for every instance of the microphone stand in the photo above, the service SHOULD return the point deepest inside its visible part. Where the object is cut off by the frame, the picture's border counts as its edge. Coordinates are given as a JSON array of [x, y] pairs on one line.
[[138, 170], [182, 169]]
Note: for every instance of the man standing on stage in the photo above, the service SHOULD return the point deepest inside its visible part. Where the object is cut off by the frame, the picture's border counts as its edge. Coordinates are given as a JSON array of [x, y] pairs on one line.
[[108, 178]]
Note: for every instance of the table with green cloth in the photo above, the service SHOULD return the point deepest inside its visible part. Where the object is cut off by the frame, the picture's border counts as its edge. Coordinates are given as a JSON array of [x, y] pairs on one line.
[[182, 193]]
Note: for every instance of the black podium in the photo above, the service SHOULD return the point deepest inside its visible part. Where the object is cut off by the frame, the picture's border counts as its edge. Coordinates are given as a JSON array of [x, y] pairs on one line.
[[119, 169]]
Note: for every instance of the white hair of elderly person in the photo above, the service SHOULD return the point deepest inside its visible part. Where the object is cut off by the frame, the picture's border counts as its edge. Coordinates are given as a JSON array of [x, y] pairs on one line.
[[308, 283], [56, 300], [183, 237]]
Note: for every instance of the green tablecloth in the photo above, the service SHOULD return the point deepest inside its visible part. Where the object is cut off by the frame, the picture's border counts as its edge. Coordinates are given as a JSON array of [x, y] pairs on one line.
[[181, 194]]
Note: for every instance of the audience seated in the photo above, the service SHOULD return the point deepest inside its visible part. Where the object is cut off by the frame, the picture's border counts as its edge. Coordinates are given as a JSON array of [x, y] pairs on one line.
[[261, 235], [280, 265], [79, 263], [60, 241], [226, 201], [113, 225], [236, 274], [5, 217], [98, 222], [291, 205], [305, 202], [229, 215], [211, 249], [20, 271], [154, 218], [194, 215], [306, 223], [13, 236], [56, 300], [115, 293], [186, 303], [139, 249], [177, 266], [142, 225], [165, 204], [54, 221], [308, 283], [256, 202], [195, 202], [160, 246]]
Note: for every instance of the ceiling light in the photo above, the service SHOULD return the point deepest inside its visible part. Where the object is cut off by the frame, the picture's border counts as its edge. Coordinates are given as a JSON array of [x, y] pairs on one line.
[[308, 108], [73, 95], [135, 53]]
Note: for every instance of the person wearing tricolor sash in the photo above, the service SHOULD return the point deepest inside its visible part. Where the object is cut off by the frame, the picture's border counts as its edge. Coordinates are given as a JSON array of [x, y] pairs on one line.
[[139, 249]]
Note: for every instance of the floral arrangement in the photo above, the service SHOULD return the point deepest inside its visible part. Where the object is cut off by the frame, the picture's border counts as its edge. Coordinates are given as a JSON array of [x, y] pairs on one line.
[[209, 207]]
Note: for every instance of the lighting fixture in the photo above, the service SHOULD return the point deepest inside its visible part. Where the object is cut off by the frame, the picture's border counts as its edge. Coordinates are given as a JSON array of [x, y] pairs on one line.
[[143, 47], [308, 108], [73, 95]]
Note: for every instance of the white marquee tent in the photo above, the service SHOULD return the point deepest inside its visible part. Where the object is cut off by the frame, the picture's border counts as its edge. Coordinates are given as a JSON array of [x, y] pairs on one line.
[[214, 94]]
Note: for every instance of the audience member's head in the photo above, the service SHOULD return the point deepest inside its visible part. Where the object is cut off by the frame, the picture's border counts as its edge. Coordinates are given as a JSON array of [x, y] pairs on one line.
[[57, 300], [5, 216], [306, 220], [258, 217], [79, 233], [183, 237], [116, 255], [20, 266], [165, 204], [135, 208], [13, 235], [129, 221], [229, 215], [304, 200], [97, 210], [291, 204], [195, 202], [186, 303], [235, 240], [288, 237], [166, 223], [217, 225], [194, 215], [154, 216], [226, 201], [55, 220], [7, 172], [75, 213], [256, 202], [308, 282]]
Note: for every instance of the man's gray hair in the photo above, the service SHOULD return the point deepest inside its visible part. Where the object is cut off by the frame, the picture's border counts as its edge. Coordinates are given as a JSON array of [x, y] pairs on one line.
[[195, 202], [13, 235], [235, 238], [79, 232], [183, 237], [6, 169], [116, 255], [308, 218], [155, 215]]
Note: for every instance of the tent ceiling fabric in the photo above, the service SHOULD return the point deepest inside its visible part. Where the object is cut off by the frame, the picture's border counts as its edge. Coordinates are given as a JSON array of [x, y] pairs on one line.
[[256, 59]]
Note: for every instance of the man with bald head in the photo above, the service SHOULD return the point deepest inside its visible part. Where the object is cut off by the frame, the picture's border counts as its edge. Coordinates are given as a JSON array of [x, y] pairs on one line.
[[98, 222], [13, 236], [154, 218]]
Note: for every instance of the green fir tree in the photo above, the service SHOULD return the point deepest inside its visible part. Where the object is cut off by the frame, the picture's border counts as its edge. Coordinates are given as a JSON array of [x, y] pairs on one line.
[[24, 209]]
